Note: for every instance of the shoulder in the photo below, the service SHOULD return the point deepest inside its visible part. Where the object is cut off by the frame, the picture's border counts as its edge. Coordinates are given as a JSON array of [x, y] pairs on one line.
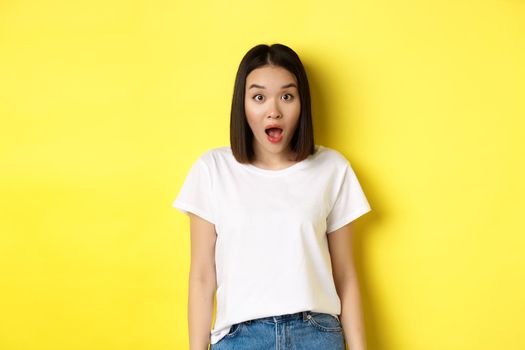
[[327, 155], [214, 155]]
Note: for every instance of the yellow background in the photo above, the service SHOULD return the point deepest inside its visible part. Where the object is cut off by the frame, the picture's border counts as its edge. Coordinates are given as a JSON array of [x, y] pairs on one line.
[[105, 105]]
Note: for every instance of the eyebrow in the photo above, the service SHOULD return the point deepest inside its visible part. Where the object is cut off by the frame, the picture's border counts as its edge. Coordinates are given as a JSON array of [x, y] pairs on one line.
[[282, 87]]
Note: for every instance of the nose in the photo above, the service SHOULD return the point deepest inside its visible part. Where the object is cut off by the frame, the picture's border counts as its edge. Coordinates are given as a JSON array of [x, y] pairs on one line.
[[274, 112]]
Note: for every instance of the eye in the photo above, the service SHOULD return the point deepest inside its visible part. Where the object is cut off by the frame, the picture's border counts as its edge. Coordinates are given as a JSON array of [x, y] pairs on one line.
[[258, 97], [288, 97]]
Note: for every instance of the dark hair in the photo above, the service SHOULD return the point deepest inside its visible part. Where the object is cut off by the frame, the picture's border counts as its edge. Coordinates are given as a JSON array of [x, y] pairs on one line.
[[241, 135]]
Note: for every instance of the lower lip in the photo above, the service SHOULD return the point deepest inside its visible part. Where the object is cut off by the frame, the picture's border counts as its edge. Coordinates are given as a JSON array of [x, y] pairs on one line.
[[275, 139]]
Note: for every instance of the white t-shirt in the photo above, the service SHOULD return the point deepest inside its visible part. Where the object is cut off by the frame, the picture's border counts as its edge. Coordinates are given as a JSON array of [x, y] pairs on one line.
[[271, 252]]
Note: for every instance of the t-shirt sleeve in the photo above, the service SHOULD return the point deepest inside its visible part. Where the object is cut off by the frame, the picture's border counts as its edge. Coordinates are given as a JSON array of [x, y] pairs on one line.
[[350, 202], [196, 192]]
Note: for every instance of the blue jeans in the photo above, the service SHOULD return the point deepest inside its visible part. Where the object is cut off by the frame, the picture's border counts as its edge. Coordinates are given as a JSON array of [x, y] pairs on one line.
[[306, 330]]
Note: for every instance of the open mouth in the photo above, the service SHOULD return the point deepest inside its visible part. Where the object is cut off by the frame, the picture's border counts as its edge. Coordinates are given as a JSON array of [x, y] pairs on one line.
[[275, 135], [274, 132]]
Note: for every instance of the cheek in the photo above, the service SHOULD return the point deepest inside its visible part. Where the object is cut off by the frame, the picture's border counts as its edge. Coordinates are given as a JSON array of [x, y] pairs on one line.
[[294, 110], [252, 111], [251, 116]]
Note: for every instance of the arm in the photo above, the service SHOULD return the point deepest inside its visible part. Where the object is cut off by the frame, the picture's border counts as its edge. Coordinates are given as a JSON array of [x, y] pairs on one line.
[[345, 278], [202, 282]]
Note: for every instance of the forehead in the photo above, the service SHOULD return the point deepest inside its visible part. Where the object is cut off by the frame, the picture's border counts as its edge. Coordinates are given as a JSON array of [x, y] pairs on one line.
[[268, 75]]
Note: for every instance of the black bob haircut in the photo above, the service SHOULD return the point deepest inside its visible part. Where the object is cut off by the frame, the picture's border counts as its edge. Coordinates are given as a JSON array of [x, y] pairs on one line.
[[241, 136]]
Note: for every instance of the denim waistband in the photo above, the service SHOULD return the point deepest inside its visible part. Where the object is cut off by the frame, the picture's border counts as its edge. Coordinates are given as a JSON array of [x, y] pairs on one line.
[[283, 318]]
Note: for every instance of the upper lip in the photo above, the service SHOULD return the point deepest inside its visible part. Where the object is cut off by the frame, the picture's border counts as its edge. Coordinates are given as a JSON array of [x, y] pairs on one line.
[[273, 126]]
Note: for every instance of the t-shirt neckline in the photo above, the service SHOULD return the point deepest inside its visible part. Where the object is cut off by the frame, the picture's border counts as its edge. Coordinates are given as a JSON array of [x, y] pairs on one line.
[[293, 167]]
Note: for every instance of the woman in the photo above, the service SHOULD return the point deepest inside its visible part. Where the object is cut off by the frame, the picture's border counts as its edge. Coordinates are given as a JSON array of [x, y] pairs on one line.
[[270, 222]]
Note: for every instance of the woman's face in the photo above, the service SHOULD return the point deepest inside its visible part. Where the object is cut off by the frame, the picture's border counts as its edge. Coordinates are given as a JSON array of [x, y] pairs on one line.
[[272, 99]]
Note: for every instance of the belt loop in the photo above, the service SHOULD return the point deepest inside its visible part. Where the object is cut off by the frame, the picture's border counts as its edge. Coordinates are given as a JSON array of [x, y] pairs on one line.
[[304, 315]]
